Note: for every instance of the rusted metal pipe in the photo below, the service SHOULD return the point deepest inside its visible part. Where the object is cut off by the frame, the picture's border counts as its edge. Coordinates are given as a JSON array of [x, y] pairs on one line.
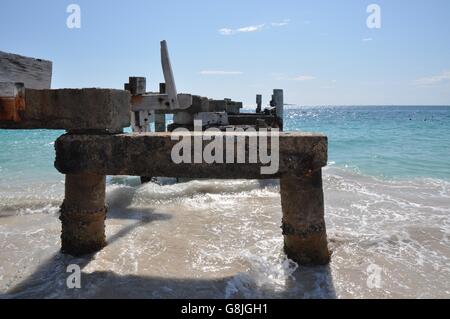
[[12, 102]]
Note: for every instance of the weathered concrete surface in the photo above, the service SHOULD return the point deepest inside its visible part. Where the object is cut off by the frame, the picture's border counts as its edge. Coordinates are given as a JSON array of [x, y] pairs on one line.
[[278, 102], [225, 105], [74, 109], [83, 214], [258, 103], [150, 155], [305, 237], [34, 73], [252, 119]]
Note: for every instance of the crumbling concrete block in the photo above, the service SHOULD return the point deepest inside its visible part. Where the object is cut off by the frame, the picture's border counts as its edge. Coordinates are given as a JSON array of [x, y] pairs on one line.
[[149, 154], [73, 110], [33, 73]]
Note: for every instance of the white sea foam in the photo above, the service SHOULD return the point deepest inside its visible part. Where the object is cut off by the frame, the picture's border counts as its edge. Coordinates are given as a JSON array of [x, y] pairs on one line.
[[222, 239]]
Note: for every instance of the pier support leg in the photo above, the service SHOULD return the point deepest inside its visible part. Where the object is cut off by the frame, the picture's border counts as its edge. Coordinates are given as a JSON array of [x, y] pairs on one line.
[[305, 238], [160, 122], [83, 214]]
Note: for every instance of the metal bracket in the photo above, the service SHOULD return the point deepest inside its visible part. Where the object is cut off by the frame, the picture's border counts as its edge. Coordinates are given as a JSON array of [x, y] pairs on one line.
[[12, 101]]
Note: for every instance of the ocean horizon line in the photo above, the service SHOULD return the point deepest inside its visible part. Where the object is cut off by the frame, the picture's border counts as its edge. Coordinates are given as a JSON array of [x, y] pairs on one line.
[[296, 106]]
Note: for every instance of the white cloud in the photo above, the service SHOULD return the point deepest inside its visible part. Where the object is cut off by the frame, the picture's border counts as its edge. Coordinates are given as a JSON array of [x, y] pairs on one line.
[[444, 77], [304, 78], [367, 39], [220, 72], [281, 24], [278, 76], [252, 28], [226, 31]]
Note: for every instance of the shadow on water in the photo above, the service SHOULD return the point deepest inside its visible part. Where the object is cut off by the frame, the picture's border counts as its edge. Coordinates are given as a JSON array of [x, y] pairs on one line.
[[49, 281], [312, 282]]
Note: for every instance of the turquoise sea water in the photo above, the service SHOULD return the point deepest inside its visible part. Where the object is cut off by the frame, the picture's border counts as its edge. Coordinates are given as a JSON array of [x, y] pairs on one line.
[[388, 142]]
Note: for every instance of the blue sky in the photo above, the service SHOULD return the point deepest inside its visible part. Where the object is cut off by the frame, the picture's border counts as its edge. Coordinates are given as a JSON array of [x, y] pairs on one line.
[[319, 52]]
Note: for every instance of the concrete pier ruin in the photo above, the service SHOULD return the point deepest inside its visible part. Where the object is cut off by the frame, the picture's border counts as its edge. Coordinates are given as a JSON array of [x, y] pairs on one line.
[[87, 158], [94, 147]]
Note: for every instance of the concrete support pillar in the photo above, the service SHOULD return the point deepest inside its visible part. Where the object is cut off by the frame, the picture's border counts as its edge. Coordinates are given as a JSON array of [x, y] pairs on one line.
[[83, 214], [140, 121], [258, 103], [160, 118], [160, 122], [305, 237], [137, 85], [278, 102]]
